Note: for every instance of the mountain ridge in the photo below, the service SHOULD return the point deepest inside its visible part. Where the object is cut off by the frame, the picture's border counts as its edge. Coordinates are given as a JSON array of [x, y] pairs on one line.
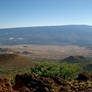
[[80, 35], [48, 26]]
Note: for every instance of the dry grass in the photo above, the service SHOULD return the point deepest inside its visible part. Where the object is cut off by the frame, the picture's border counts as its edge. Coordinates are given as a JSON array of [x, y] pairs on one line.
[[11, 64]]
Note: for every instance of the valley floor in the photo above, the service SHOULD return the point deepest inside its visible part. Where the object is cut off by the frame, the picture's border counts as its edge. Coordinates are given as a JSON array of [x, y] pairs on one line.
[[49, 52]]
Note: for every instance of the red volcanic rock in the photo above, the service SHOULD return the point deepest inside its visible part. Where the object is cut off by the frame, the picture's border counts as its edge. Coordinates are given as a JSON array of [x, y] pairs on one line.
[[32, 83]]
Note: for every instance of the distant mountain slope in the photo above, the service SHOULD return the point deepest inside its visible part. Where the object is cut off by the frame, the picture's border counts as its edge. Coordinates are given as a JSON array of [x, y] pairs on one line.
[[48, 35], [88, 67], [76, 59]]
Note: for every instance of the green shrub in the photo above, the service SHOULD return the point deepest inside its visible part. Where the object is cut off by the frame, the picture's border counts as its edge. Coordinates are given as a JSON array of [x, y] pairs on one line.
[[69, 71], [48, 69], [12, 80]]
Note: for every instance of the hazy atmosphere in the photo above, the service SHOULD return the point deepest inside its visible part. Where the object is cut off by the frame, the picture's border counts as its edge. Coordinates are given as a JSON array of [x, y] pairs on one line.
[[45, 45], [24, 13]]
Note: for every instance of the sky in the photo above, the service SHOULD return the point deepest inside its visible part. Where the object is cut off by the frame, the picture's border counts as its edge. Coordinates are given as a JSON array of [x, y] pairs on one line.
[[25, 13]]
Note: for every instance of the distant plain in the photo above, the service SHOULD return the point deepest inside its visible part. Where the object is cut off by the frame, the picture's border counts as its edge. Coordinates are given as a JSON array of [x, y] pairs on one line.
[[49, 52]]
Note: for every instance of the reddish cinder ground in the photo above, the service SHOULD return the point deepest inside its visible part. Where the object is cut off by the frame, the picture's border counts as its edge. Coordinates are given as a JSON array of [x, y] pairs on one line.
[[32, 83]]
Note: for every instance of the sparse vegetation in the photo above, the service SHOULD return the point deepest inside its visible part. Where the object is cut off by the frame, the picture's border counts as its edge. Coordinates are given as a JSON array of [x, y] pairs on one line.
[[43, 76]]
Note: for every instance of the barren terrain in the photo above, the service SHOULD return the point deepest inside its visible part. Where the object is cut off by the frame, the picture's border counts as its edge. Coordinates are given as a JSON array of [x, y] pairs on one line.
[[49, 52]]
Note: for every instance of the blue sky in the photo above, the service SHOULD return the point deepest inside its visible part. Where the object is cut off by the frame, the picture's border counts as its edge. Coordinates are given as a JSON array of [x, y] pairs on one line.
[[21, 13]]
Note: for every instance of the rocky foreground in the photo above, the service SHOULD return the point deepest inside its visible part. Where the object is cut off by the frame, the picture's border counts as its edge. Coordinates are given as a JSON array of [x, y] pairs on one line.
[[32, 83]]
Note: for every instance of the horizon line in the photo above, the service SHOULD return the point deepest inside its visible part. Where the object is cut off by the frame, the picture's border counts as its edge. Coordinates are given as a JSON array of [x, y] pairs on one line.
[[45, 26]]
